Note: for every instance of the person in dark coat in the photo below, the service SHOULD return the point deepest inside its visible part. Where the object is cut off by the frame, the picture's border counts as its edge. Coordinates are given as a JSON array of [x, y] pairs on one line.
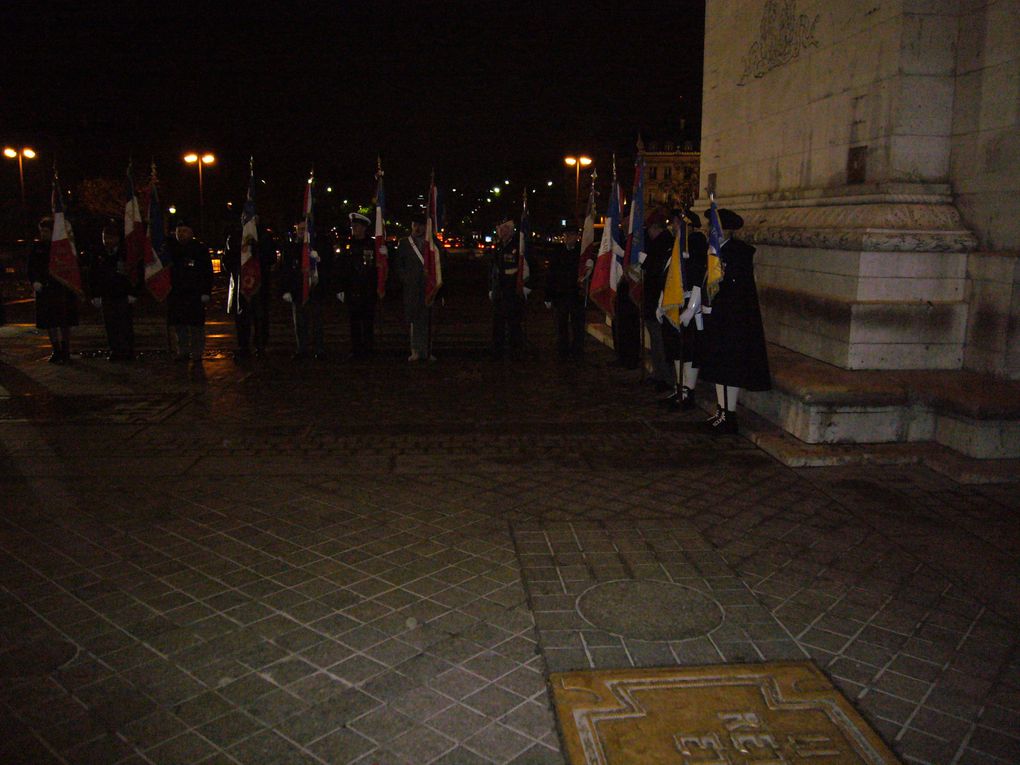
[[564, 294], [684, 347], [735, 353], [507, 301], [308, 317], [410, 269], [251, 315], [359, 283], [191, 279], [626, 323], [56, 305], [658, 247], [115, 291]]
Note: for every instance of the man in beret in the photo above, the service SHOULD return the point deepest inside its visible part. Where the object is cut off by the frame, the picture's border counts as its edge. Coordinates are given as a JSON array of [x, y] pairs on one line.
[[191, 279], [115, 291], [735, 353], [358, 283], [564, 294], [658, 247]]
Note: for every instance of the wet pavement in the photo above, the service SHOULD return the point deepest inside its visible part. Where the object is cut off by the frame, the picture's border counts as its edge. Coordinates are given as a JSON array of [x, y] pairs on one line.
[[379, 562]]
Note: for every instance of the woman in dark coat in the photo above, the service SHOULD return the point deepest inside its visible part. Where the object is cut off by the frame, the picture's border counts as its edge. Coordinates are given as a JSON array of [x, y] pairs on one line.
[[735, 355], [56, 306]]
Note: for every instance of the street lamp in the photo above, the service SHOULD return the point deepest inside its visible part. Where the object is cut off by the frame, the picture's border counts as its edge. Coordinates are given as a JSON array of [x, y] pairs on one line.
[[24, 153], [208, 158], [577, 163]]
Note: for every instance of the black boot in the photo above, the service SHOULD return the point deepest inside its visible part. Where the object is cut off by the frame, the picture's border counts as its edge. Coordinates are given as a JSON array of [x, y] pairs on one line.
[[65, 351], [57, 356], [686, 398], [726, 423], [710, 421]]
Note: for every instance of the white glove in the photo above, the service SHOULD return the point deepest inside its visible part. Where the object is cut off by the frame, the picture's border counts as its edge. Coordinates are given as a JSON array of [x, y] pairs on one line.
[[313, 255], [641, 257], [660, 314], [97, 302], [340, 296], [588, 268], [287, 298], [132, 300], [548, 304], [693, 306], [526, 293], [205, 298], [490, 295], [37, 286], [315, 278]]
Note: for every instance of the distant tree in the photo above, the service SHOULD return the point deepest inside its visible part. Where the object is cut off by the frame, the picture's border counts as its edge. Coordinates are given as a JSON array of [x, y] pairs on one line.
[[102, 197]]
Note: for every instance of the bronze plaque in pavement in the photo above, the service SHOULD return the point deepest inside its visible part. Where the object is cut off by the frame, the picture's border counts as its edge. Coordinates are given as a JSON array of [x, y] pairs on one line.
[[775, 713]]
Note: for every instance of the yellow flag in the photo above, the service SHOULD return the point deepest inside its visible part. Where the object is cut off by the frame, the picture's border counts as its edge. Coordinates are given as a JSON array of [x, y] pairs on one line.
[[673, 292]]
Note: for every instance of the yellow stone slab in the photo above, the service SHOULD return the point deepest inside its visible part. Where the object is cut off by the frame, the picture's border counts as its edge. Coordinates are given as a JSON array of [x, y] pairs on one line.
[[776, 713]]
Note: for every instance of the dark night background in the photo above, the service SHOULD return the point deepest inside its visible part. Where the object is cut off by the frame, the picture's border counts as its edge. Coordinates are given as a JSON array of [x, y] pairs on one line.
[[482, 91]]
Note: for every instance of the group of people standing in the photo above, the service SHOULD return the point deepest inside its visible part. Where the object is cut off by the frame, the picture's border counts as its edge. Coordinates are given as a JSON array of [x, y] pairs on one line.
[[718, 336]]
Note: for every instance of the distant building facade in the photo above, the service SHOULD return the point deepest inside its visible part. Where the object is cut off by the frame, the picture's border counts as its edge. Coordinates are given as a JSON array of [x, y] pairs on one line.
[[671, 174]]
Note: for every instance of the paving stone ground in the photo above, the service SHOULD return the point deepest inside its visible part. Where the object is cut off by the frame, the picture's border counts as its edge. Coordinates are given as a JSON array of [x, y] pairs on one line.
[[375, 562]]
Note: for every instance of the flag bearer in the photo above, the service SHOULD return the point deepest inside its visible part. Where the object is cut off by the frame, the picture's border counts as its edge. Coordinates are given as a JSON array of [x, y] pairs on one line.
[[307, 314], [191, 287], [684, 345], [56, 305], [115, 292], [508, 292], [359, 282], [735, 354], [564, 293], [658, 245], [410, 267]]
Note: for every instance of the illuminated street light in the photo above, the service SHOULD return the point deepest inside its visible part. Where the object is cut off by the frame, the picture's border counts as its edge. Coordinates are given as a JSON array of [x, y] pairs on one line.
[[25, 153], [172, 210], [577, 163], [208, 158]]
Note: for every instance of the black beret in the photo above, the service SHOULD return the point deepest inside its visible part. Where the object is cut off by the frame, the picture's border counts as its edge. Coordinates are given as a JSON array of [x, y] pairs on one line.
[[729, 220]]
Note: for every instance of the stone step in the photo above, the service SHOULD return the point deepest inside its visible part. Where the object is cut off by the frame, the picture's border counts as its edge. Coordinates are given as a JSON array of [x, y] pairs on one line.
[[962, 423]]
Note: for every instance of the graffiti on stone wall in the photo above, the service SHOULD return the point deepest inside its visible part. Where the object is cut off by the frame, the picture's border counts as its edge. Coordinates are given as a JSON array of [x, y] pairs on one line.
[[782, 35]]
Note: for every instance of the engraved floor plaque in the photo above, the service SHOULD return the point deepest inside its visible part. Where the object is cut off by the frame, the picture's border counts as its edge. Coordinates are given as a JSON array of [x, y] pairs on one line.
[[777, 713]]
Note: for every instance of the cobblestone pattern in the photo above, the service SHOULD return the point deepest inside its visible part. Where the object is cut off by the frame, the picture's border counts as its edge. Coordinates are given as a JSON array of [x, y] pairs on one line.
[[384, 570]]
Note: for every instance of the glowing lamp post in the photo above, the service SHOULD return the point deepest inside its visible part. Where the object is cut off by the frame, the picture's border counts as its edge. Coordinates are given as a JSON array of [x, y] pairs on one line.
[[206, 159], [20, 155], [577, 163]]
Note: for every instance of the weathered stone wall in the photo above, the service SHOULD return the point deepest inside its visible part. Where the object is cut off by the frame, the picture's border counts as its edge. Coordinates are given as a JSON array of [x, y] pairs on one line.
[[851, 136], [985, 157]]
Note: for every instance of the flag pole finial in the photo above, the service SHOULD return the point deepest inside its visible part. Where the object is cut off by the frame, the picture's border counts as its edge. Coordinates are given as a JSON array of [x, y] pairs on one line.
[[251, 164]]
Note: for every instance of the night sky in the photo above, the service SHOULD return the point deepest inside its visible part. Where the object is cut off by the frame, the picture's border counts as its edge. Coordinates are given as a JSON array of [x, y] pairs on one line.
[[482, 91]]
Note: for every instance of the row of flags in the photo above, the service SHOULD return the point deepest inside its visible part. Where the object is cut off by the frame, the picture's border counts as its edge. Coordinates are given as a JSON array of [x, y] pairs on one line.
[[620, 258], [614, 258]]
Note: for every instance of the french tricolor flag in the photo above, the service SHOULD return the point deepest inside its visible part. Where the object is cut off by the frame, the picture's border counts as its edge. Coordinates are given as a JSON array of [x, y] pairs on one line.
[[157, 271], [134, 231], [63, 255]]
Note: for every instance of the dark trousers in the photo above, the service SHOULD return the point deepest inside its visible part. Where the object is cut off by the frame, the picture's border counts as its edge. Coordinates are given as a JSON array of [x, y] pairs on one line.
[[120, 327], [507, 321], [308, 325], [362, 331], [627, 329], [570, 326], [252, 321]]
